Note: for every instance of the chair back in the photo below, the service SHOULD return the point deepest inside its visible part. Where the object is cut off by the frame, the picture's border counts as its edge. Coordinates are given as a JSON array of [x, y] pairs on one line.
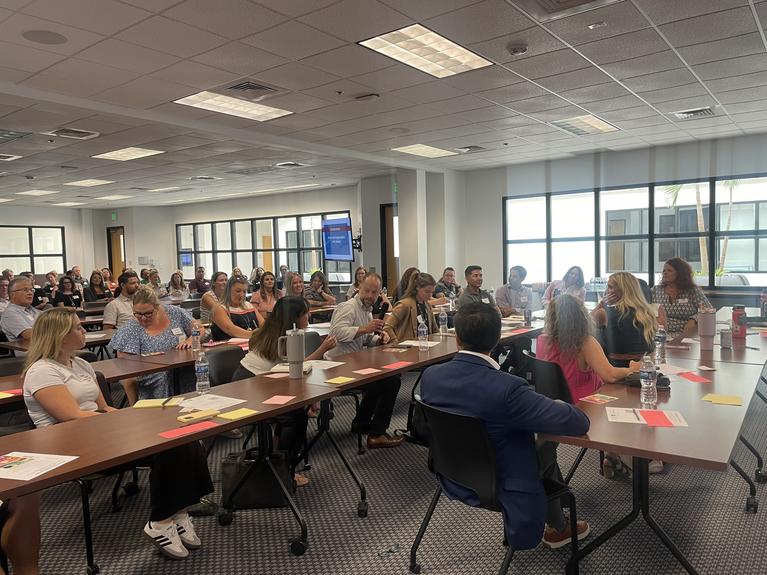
[[196, 295], [88, 356], [460, 451], [189, 304], [106, 391], [548, 379], [12, 366], [312, 341], [223, 360]]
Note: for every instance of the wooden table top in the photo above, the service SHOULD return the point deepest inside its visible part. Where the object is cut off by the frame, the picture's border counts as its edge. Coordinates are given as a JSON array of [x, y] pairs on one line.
[[712, 432], [752, 349], [104, 337], [92, 320]]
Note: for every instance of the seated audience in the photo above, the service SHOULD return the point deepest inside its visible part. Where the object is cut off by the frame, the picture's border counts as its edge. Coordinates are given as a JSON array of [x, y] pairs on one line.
[[514, 297], [158, 328], [4, 299], [19, 315], [51, 284], [318, 295], [97, 288], [40, 299], [359, 276], [68, 295], [8, 274], [281, 280], [572, 283], [627, 320], [404, 281], [294, 285], [262, 357], [413, 309], [680, 298], [474, 292], [199, 284], [237, 273], [213, 296], [447, 285], [567, 341], [106, 273], [177, 286], [76, 275], [267, 295], [59, 386], [255, 278], [354, 328], [156, 284], [472, 384], [144, 273], [235, 316], [119, 311]]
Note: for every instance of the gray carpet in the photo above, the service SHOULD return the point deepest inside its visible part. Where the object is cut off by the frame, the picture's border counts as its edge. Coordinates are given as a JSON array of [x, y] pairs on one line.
[[702, 511]]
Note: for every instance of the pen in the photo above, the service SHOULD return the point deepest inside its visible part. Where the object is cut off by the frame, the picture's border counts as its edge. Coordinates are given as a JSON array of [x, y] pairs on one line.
[[166, 401]]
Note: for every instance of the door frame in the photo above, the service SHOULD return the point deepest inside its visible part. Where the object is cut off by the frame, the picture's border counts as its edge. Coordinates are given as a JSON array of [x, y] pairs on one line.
[[382, 228], [115, 274]]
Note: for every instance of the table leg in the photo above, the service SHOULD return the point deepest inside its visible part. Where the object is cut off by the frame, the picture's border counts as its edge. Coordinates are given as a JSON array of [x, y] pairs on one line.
[[640, 503]]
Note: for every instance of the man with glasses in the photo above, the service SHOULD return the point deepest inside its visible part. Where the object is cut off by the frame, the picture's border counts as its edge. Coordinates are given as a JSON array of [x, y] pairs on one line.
[[19, 315]]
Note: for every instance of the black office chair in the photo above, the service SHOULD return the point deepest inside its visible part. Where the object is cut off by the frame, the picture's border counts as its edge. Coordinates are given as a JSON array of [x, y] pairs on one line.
[[460, 450], [223, 360], [11, 365], [549, 380], [4, 352]]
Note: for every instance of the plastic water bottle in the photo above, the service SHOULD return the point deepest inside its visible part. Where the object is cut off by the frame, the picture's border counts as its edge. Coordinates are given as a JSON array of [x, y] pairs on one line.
[[196, 339], [660, 345], [648, 376], [423, 336], [202, 370], [442, 322], [451, 301]]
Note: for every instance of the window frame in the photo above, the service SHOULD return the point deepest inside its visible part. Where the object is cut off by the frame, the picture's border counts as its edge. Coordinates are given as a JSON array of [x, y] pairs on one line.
[[31, 252]]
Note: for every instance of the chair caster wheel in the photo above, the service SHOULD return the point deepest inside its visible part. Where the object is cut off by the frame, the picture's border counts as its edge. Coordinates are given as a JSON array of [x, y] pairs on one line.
[[362, 509], [760, 476], [307, 467], [415, 569], [298, 547], [131, 488], [225, 517], [93, 570], [752, 504]]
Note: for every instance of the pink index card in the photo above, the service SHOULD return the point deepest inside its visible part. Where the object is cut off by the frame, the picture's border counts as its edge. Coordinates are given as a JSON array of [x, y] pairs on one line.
[[279, 375], [655, 418], [694, 377], [278, 400], [187, 429], [521, 330], [367, 371], [13, 391], [397, 364]]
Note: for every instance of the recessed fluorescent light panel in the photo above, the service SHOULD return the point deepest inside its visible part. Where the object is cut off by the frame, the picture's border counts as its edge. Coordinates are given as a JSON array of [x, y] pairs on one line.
[[36, 193], [70, 204], [168, 189], [424, 151], [126, 154], [286, 188], [427, 51], [585, 125], [3, 200], [189, 200], [89, 183], [8, 157], [115, 197], [232, 106]]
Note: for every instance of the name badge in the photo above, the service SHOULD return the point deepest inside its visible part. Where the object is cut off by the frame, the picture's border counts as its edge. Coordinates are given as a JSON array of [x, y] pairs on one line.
[[419, 318], [485, 300], [177, 331], [523, 299], [683, 300]]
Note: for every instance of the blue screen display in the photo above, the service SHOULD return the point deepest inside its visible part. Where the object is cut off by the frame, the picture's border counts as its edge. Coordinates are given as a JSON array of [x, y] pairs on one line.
[[337, 240]]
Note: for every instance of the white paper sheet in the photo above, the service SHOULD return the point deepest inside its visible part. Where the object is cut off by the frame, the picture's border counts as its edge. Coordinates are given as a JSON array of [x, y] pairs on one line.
[[622, 415], [668, 369], [415, 343], [689, 340], [210, 401], [25, 466], [93, 335], [323, 363], [676, 418]]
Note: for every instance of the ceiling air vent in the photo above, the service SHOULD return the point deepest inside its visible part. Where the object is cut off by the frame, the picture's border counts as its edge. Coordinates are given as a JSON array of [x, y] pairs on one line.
[[8, 157], [548, 10], [290, 165], [693, 113], [470, 149], [252, 171], [73, 133], [248, 90], [10, 135]]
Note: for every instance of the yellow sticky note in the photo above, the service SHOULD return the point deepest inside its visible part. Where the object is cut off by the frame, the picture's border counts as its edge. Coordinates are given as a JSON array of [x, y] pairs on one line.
[[723, 399], [3, 395], [141, 403], [238, 413], [339, 380]]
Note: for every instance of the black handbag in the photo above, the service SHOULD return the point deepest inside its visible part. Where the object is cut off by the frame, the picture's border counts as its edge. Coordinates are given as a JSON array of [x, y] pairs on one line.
[[261, 490]]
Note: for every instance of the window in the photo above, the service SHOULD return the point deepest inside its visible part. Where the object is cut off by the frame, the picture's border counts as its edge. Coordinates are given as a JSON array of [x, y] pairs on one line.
[[35, 249], [624, 222], [526, 237], [294, 241]]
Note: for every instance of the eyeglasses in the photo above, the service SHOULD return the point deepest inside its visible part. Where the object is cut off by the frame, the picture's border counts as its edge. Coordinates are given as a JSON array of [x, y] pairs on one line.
[[29, 289], [145, 315]]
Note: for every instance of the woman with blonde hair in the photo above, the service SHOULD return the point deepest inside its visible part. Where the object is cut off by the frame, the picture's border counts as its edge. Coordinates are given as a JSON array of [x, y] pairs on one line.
[[294, 285], [628, 320], [177, 288], [235, 316], [414, 308], [59, 386]]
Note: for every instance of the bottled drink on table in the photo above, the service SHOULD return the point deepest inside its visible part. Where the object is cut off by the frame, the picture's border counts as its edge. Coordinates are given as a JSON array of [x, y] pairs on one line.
[[451, 301], [202, 371], [660, 345], [196, 339], [648, 376], [423, 336], [442, 322]]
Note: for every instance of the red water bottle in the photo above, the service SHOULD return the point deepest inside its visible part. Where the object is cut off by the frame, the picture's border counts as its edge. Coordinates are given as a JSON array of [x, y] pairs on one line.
[[738, 329]]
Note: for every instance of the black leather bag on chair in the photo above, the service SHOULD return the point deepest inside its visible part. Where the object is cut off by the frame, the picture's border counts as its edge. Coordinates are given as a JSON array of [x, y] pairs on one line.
[[261, 490]]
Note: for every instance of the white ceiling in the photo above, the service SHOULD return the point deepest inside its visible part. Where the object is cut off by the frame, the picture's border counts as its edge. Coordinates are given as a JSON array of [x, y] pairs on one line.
[[125, 61]]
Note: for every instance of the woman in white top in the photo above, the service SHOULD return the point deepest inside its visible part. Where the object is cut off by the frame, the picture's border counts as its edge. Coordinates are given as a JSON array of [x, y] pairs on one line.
[[262, 357], [59, 386], [359, 277], [177, 288], [213, 295]]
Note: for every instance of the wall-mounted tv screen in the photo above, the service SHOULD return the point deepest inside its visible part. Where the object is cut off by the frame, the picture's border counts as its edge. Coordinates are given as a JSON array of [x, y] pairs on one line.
[[337, 240]]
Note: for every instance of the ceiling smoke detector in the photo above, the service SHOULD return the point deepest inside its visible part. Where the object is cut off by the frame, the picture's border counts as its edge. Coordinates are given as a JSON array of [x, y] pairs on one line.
[[517, 49], [694, 113]]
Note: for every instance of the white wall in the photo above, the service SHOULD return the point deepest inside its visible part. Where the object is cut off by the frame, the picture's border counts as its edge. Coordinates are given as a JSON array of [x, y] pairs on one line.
[[373, 193]]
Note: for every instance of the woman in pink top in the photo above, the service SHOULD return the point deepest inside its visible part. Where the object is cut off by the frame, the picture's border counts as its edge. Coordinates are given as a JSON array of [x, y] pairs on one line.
[[265, 298], [567, 341]]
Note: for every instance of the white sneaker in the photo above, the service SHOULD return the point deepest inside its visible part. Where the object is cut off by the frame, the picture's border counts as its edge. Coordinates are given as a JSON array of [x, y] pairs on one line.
[[186, 531], [167, 539]]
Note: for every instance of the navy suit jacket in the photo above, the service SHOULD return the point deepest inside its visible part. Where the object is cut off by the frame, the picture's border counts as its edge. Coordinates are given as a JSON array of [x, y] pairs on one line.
[[512, 413]]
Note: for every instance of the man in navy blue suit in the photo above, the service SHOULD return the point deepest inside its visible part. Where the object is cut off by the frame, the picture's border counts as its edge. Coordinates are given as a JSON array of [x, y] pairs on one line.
[[471, 384]]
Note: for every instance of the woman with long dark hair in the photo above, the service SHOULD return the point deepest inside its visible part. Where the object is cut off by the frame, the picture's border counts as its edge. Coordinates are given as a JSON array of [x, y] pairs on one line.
[[267, 294], [235, 316], [97, 288], [571, 283], [680, 298], [67, 295]]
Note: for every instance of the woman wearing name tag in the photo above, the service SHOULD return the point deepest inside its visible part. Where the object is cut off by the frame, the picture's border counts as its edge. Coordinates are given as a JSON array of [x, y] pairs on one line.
[[157, 328], [414, 308], [680, 298], [67, 295]]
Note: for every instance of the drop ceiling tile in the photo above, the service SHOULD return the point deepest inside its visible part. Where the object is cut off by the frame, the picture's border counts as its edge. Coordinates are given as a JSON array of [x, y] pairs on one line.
[[579, 78], [393, 78], [679, 104], [194, 74], [240, 58], [29, 59], [658, 62], [534, 130], [594, 93], [719, 50], [460, 104], [747, 117], [549, 64], [757, 93], [283, 40], [744, 81], [710, 27], [621, 18], [296, 102], [660, 80], [651, 125], [628, 114], [428, 92], [704, 123], [233, 20], [513, 93], [104, 17], [160, 33], [11, 30], [152, 5], [558, 114], [424, 9], [548, 102], [483, 79], [145, 92], [662, 11], [338, 91], [489, 114], [676, 93], [538, 41], [127, 56], [732, 67], [295, 8], [355, 21], [479, 22], [295, 76], [350, 60], [624, 47], [79, 78]]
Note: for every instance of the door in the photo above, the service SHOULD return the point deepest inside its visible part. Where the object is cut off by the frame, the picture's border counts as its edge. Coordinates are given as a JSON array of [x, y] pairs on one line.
[[116, 250], [390, 247]]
